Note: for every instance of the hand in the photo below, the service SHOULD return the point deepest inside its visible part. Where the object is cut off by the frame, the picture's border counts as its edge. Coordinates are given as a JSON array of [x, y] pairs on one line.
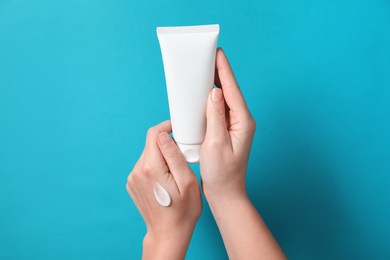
[[230, 129], [169, 229], [223, 162]]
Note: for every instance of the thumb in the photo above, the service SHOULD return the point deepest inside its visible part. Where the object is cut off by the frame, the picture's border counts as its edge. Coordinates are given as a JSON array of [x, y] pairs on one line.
[[216, 118]]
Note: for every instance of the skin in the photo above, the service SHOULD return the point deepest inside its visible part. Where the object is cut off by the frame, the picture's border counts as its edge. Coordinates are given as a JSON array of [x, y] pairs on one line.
[[169, 229], [223, 163]]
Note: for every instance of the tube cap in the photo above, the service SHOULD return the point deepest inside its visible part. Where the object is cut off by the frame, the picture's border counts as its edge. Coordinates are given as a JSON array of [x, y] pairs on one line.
[[190, 152]]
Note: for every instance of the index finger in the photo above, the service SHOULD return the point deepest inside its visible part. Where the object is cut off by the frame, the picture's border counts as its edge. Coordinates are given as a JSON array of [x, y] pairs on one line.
[[152, 154], [225, 79]]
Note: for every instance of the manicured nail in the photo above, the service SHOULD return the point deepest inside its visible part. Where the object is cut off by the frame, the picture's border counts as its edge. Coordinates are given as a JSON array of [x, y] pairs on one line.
[[164, 138], [216, 96]]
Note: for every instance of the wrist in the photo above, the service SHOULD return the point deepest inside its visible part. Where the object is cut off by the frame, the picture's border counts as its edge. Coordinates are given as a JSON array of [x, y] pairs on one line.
[[170, 245], [226, 202], [225, 193]]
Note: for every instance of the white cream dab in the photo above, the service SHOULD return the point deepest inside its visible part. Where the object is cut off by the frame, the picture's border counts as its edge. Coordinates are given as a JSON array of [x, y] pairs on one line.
[[162, 196]]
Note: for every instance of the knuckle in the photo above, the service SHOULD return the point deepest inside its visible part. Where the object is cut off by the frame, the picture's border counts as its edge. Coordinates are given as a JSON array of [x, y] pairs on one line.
[[190, 182], [252, 124], [130, 178], [230, 86], [151, 132], [219, 109], [147, 169], [249, 124], [172, 152], [130, 182]]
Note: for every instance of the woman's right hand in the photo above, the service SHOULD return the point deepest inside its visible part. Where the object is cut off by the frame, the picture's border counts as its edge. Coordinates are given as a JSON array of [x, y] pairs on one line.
[[230, 129]]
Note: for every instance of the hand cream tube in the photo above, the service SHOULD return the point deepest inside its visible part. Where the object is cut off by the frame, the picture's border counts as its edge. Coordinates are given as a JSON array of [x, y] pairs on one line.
[[188, 54]]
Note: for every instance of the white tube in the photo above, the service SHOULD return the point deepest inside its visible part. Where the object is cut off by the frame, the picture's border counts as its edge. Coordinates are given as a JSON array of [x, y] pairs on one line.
[[188, 54]]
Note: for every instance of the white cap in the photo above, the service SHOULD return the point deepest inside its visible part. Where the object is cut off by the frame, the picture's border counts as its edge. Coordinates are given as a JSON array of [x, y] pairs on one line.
[[190, 152]]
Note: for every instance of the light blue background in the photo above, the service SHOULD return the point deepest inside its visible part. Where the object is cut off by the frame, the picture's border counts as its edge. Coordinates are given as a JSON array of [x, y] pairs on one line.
[[81, 82]]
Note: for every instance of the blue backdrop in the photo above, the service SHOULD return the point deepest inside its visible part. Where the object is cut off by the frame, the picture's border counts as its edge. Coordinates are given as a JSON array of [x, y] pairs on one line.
[[81, 82]]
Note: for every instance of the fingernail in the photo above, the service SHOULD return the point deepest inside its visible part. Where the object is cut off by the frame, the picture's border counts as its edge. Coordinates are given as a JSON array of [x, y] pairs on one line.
[[216, 95], [164, 138]]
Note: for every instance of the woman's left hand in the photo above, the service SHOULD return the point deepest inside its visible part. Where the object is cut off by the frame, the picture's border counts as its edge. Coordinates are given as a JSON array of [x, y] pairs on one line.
[[169, 228]]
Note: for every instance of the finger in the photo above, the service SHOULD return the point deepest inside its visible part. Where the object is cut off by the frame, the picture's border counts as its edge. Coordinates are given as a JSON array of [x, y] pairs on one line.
[[226, 80], [152, 155], [175, 160], [215, 115]]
